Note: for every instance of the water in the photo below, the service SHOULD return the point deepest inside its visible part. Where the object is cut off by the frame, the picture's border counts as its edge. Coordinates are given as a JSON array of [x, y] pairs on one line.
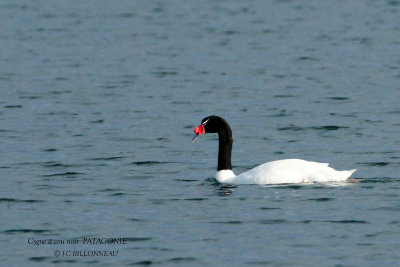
[[98, 104]]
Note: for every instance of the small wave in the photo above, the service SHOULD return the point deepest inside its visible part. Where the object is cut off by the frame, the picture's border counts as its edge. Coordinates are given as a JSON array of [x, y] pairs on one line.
[[38, 259], [296, 128], [136, 220], [321, 199], [97, 121], [68, 174], [13, 106], [347, 221], [339, 98], [53, 164], [291, 128], [182, 259], [162, 74], [185, 180], [227, 222], [20, 200], [196, 199], [149, 162], [328, 127], [34, 231], [393, 208], [373, 164], [49, 149], [378, 180], [106, 158], [306, 58], [117, 194], [143, 263], [273, 221]]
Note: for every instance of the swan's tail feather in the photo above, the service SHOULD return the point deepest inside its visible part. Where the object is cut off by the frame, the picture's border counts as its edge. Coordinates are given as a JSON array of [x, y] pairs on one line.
[[347, 174]]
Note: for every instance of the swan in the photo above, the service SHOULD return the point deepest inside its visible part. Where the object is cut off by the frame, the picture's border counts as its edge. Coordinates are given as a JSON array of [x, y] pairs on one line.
[[274, 172]]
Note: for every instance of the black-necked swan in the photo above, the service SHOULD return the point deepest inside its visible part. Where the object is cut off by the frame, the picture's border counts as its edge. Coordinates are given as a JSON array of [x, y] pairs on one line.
[[274, 172]]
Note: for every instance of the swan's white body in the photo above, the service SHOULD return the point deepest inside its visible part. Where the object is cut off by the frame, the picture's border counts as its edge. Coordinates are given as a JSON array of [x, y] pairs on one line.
[[285, 171]]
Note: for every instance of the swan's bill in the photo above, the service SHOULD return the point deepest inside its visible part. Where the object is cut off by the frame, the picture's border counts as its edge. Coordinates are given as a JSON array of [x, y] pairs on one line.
[[195, 137]]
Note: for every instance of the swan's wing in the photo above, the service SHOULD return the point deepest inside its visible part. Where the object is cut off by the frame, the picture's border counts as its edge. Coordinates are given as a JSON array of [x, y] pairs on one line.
[[292, 171]]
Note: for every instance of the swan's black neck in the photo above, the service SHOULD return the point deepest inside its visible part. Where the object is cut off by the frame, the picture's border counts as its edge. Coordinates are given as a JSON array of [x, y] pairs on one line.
[[225, 147]]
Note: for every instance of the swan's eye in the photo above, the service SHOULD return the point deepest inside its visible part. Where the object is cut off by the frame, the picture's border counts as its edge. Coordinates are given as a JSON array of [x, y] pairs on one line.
[[204, 123]]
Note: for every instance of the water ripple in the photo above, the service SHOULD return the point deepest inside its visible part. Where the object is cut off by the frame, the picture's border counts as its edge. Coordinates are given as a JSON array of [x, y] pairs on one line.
[[34, 231], [319, 128], [66, 174], [321, 199], [21, 200]]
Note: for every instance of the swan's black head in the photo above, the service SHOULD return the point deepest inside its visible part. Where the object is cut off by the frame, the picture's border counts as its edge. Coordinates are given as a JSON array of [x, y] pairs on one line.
[[215, 124], [211, 124]]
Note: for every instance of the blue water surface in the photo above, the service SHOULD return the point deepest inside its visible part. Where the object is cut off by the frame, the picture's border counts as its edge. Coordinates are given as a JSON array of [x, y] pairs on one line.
[[98, 101]]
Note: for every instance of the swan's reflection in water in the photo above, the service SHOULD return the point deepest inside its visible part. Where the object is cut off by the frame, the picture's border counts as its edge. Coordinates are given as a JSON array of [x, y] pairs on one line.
[[225, 190]]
